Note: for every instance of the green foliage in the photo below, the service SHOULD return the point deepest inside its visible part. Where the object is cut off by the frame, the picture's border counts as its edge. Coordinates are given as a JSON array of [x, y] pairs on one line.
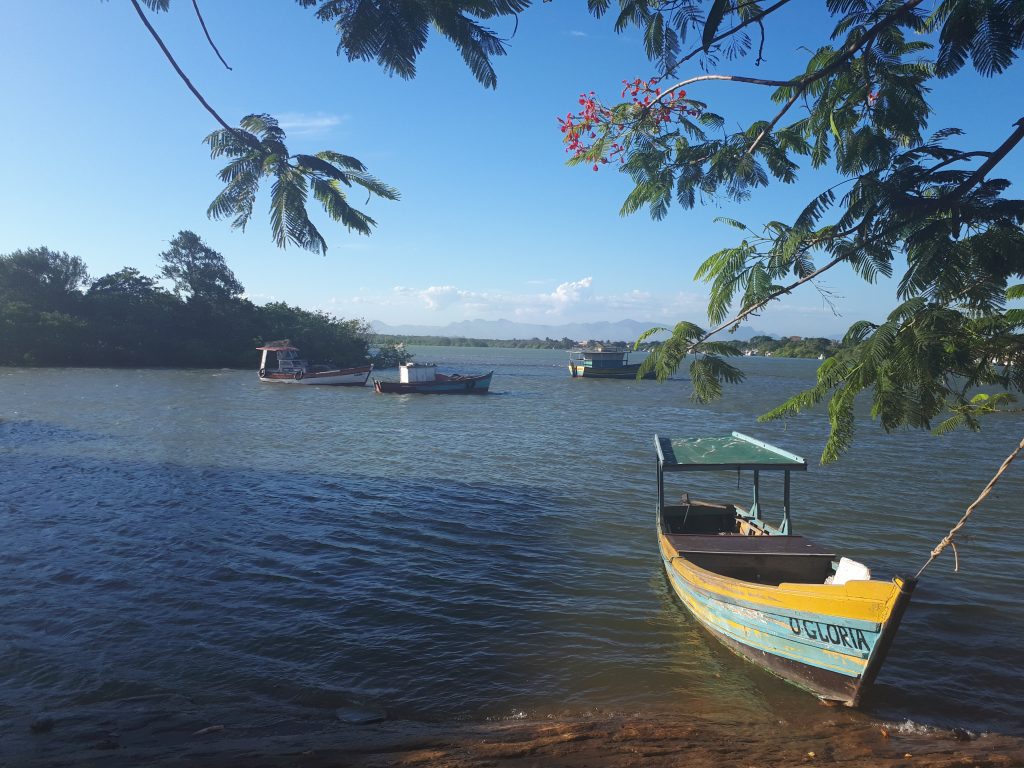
[[258, 150], [40, 276], [127, 319], [389, 355], [394, 32], [925, 359], [708, 369], [198, 271], [931, 202]]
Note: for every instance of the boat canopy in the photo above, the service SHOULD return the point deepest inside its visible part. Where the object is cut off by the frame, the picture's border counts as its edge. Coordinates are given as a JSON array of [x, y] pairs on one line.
[[284, 345], [599, 352], [738, 452]]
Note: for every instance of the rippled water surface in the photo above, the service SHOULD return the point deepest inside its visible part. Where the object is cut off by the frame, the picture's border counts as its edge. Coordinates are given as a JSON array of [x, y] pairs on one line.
[[189, 547]]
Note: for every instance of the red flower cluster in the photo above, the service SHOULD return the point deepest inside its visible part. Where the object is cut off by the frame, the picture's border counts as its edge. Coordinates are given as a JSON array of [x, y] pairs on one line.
[[651, 110]]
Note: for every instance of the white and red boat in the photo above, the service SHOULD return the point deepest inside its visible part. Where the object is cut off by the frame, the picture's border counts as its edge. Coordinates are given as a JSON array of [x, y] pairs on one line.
[[291, 369]]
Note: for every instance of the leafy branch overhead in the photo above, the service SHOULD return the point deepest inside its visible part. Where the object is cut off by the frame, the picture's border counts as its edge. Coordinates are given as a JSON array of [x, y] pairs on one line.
[[258, 150], [708, 369], [902, 196], [392, 32]]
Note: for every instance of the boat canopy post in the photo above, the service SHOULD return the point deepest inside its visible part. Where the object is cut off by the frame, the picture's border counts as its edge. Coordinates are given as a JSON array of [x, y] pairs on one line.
[[263, 360], [755, 508], [661, 487], [786, 524]]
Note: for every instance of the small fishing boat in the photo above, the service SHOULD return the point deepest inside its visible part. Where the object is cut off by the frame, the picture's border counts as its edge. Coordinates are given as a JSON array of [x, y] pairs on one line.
[[601, 362], [775, 598], [291, 369], [424, 379]]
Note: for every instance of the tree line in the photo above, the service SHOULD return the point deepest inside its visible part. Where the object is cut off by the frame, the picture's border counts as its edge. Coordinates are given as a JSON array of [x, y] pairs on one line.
[[53, 314]]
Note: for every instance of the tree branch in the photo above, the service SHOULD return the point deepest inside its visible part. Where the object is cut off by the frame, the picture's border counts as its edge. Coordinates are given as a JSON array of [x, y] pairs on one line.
[[730, 78], [758, 305], [993, 158], [1002, 151], [240, 134], [195, 4], [804, 81], [752, 20]]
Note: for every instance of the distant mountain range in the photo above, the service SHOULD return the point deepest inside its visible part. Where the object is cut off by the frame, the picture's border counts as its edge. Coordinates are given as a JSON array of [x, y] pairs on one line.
[[622, 330]]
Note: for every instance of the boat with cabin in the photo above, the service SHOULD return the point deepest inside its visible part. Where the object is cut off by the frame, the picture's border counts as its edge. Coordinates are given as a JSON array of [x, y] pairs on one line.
[[601, 362], [778, 599], [292, 369], [424, 379]]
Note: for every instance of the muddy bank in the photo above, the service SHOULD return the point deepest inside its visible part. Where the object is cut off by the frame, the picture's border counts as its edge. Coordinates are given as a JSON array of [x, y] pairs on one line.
[[605, 741], [633, 741]]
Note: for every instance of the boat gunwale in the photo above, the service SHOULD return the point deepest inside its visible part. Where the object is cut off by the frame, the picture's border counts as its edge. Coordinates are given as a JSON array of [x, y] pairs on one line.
[[728, 587]]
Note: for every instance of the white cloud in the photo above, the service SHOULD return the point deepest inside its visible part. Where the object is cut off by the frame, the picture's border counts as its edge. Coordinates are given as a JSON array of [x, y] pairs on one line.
[[300, 124], [568, 294], [576, 33], [572, 300], [440, 296]]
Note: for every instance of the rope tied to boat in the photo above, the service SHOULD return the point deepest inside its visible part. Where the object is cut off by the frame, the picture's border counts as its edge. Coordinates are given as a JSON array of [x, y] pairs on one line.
[[948, 541]]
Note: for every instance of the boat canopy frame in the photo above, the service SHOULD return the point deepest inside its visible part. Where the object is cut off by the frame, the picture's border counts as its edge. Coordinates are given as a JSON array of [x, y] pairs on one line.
[[736, 452]]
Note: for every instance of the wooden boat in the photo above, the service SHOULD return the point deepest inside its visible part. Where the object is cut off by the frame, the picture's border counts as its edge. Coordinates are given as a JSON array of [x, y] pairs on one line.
[[291, 369], [603, 363], [424, 379], [775, 598]]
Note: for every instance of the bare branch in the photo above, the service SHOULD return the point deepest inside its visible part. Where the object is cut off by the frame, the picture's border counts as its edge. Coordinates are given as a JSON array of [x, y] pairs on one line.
[[195, 4], [240, 134], [730, 78]]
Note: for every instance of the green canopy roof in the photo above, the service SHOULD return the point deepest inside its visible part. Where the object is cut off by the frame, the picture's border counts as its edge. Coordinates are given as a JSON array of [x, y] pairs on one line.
[[735, 452]]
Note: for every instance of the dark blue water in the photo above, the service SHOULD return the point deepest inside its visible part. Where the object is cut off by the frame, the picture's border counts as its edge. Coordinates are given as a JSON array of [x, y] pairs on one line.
[[183, 548]]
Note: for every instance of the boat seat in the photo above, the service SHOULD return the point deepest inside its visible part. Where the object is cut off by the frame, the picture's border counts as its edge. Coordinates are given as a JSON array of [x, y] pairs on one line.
[[758, 559]]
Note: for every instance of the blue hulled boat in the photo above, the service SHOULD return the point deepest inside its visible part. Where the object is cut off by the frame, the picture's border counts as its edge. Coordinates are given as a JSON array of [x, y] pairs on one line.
[[778, 599]]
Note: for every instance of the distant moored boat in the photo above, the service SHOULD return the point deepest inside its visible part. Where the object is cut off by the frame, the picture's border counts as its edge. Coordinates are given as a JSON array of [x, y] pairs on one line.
[[600, 362], [423, 379], [291, 369]]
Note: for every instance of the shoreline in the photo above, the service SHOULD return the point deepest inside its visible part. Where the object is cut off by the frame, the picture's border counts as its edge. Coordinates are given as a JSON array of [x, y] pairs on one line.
[[650, 741], [657, 740]]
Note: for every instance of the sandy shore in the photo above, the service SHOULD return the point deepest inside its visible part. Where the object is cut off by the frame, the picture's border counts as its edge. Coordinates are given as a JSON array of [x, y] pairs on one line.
[[841, 738]]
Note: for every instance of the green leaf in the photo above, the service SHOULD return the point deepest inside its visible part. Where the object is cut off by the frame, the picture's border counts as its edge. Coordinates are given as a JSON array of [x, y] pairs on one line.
[[715, 15]]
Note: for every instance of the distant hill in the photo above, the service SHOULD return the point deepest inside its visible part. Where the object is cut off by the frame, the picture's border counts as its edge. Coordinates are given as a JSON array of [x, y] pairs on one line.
[[621, 330]]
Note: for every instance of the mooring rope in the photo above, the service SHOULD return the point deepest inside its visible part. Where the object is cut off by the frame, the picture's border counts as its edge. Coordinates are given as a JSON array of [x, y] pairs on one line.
[[948, 540]]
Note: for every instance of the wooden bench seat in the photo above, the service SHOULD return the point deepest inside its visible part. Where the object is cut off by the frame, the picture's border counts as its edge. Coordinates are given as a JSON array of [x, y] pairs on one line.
[[758, 559]]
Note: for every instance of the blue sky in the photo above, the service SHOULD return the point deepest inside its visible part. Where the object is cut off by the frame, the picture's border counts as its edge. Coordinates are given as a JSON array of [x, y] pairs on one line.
[[105, 161]]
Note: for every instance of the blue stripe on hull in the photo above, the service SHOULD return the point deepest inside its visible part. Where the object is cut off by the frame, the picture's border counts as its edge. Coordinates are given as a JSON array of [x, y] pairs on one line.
[[830, 643]]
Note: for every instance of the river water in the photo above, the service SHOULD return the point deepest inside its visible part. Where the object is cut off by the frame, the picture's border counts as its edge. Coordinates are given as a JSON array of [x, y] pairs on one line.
[[190, 547]]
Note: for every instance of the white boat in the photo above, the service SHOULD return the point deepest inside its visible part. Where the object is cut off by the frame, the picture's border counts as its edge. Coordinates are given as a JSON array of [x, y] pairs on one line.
[[291, 369]]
